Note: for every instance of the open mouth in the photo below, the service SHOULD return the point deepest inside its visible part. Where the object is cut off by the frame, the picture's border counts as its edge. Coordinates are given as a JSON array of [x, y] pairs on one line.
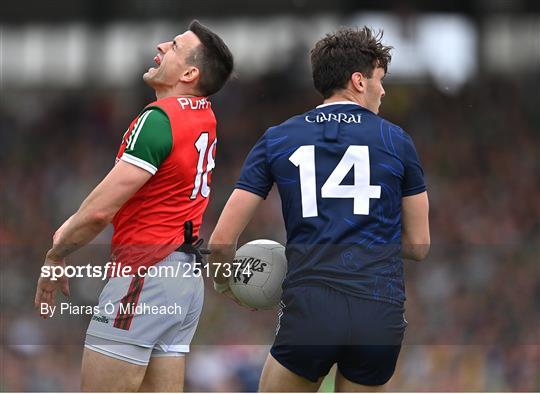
[[157, 60]]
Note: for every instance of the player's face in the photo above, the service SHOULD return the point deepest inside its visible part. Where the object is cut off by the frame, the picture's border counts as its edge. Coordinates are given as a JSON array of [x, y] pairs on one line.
[[374, 91], [171, 60]]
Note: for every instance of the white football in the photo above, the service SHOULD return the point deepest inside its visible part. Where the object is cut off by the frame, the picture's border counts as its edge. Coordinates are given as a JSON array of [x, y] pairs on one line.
[[259, 269]]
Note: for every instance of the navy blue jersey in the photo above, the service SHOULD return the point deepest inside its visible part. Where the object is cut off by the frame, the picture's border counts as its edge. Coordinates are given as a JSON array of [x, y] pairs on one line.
[[341, 172]]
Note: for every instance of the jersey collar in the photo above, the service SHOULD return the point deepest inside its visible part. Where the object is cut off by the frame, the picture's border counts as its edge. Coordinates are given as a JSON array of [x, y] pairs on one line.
[[338, 103]]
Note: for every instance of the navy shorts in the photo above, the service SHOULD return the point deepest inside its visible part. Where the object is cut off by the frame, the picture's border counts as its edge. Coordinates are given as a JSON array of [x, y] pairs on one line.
[[320, 326]]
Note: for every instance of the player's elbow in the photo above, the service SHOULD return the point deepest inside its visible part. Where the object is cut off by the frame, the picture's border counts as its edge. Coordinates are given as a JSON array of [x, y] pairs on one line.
[[219, 244], [215, 248], [222, 249], [221, 240], [416, 248], [99, 218], [419, 252]]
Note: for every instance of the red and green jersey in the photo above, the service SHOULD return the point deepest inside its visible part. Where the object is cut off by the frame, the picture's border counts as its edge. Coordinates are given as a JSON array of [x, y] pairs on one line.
[[175, 140]]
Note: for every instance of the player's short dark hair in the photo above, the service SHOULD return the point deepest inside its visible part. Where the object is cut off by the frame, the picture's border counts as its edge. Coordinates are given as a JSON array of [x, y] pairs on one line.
[[337, 56], [213, 57]]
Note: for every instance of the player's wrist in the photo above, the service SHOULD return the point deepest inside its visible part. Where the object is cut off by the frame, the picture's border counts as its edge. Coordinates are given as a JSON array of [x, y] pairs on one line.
[[53, 258], [221, 287]]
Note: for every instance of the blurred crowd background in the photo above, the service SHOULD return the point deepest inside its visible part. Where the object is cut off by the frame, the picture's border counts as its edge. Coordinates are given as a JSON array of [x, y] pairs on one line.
[[473, 306]]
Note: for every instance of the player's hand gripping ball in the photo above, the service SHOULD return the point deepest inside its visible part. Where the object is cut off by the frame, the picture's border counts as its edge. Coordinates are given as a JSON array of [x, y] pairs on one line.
[[262, 268]]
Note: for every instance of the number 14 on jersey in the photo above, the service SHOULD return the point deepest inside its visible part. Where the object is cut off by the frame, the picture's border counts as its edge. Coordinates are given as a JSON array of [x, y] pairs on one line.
[[356, 157]]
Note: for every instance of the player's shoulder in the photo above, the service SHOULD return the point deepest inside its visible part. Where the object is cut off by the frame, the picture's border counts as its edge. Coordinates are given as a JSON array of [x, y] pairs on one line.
[[155, 114], [390, 125], [153, 120], [151, 125], [393, 129]]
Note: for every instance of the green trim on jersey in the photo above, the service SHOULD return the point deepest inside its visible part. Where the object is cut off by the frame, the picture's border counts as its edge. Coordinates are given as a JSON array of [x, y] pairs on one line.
[[150, 142]]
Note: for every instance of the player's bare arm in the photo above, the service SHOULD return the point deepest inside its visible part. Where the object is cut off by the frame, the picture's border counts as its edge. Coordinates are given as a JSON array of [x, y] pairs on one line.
[[237, 213], [95, 213], [98, 209], [415, 240]]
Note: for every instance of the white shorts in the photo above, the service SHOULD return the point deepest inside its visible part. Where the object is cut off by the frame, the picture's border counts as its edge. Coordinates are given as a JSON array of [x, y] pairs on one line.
[[143, 317]]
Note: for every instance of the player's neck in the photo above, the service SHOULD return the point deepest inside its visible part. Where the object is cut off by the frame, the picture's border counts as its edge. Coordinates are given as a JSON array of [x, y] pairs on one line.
[[174, 92], [343, 96]]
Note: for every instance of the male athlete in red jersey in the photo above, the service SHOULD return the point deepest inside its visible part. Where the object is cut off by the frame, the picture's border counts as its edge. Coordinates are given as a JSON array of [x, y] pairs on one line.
[[160, 181]]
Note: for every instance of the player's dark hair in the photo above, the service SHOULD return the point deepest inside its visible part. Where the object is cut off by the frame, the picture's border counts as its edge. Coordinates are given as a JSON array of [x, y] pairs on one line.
[[213, 57], [339, 55]]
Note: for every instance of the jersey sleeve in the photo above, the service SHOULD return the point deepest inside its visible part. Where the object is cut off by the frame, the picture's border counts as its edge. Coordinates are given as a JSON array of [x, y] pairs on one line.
[[256, 176], [150, 142], [413, 180]]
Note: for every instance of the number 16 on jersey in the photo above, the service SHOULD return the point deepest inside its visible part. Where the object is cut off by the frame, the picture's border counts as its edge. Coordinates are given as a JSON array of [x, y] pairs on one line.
[[201, 179]]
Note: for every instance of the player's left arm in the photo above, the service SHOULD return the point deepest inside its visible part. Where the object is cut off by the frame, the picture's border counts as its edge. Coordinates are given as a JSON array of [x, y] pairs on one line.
[[94, 214]]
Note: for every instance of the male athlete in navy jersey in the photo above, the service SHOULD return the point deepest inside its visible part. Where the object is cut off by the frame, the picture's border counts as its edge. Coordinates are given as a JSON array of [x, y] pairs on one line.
[[354, 203]]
